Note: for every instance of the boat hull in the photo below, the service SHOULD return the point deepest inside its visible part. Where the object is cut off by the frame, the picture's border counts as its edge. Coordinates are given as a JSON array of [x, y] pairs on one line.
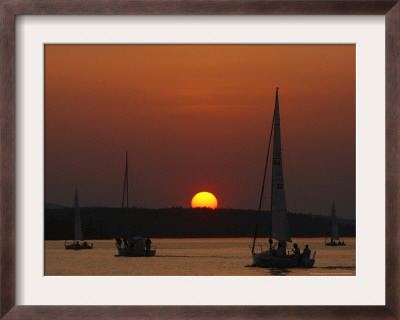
[[335, 244], [126, 252], [265, 260], [73, 246], [262, 261]]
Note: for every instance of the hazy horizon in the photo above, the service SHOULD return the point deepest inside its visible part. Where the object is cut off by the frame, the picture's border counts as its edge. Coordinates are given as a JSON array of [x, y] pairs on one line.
[[50, 205]]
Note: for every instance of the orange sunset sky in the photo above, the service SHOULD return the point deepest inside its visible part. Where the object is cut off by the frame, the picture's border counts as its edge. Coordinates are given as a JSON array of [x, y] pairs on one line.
[[197, 118]]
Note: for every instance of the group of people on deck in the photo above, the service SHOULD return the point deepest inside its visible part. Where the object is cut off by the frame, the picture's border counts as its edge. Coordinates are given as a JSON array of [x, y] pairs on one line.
[[77, 244], [306, 251], [281, 250], [340, 243], [130, 243]]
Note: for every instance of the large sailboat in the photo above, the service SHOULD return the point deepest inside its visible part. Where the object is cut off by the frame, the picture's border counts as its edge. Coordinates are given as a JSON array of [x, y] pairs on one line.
[[78, 242], [276, 255], [131, 246], [335, 230]]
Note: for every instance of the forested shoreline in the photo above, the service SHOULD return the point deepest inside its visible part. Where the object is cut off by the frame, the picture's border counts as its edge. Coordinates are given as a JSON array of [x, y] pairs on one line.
[[107, 223]]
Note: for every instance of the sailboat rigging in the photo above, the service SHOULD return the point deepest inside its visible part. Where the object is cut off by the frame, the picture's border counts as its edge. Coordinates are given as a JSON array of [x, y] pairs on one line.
[[78, 242], [131, 246], [276, 255], [335, 230]]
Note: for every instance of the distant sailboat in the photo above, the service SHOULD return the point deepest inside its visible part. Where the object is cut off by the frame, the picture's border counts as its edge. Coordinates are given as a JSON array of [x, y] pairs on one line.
[[131, 246], [335, 230], [279, 224], [78, 242]]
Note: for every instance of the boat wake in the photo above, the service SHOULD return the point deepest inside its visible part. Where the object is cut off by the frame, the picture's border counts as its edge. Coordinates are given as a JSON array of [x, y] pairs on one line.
[[336, 267], [273, 271], [185, 256]]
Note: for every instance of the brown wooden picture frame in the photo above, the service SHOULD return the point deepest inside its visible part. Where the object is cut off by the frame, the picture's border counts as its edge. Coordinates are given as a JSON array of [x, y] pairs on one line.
[[9, 9]]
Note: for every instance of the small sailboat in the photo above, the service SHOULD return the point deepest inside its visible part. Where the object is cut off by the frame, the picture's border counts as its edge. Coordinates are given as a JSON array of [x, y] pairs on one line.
[[276, 256], [78, 242], [132, 246], [335, 230]]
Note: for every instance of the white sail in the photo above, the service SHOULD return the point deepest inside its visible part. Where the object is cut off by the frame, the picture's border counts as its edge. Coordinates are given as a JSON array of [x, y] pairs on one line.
[[335, 230], [280, 225], [78, 227]]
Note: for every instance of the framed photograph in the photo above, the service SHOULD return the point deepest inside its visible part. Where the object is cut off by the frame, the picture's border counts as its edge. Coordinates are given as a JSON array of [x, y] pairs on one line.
[[189, 165]]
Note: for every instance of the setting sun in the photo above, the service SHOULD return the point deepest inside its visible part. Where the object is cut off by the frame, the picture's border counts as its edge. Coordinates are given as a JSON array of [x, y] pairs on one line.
[[204, 199]]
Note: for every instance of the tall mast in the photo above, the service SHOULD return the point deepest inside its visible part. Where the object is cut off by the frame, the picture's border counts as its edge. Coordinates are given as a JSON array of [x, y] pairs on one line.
[[125, 183], [280, 225], [78, 226], [126, 179], [125, 191], [335, 230], [262, 188]]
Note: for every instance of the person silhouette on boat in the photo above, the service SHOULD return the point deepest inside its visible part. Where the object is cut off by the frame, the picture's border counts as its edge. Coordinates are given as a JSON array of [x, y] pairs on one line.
[[280, 250], [296, 250], [306, 252], [283, 245], [125, 242], [296, 254], [270, 243], [119, 242], [148, 245]]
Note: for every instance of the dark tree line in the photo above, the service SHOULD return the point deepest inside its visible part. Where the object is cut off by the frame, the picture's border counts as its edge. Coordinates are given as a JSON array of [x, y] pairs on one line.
[[107, 223]]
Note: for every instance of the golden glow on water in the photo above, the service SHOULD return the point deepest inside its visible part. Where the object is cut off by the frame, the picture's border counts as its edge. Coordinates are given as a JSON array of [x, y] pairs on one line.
[[179, 257]]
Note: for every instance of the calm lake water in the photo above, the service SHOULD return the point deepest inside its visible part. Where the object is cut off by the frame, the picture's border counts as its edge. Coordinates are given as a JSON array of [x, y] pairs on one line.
[[189, 257]]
